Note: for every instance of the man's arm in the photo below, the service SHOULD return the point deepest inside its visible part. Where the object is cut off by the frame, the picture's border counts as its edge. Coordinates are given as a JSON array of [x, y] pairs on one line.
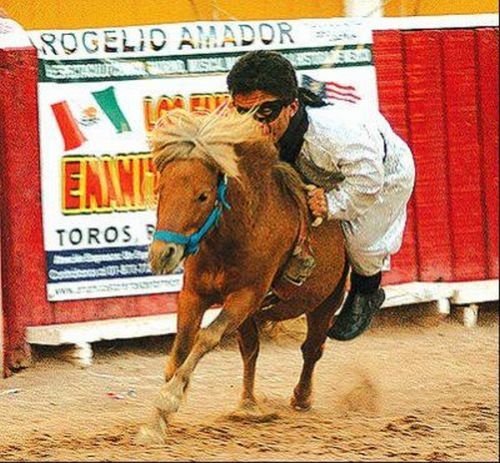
[[358, 152]]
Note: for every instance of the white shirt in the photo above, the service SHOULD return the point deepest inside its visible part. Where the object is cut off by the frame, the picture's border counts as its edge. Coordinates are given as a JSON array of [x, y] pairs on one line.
[[377, 169]]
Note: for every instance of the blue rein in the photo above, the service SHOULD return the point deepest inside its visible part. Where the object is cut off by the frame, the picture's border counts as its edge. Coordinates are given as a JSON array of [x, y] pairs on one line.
[[192, 242]]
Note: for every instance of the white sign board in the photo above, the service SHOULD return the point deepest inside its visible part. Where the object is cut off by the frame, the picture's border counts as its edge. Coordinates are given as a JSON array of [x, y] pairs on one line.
[[101, 92]]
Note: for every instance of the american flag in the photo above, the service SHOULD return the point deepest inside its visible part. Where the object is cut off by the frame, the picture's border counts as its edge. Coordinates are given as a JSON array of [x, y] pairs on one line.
[[331, 90]]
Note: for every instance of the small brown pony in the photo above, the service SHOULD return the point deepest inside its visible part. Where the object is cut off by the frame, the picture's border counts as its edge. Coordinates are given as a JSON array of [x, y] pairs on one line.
[[237, 243]]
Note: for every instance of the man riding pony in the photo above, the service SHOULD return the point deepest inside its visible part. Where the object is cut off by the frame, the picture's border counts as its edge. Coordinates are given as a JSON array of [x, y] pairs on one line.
[[362, 170]]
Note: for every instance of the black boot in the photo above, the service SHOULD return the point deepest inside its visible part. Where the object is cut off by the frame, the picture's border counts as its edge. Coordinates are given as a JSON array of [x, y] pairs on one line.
[[364, 299]]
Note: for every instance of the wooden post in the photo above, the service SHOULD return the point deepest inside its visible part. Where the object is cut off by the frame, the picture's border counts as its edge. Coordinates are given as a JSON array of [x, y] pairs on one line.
[[2, 340], [2, 337], [18, 76], [364, 8]]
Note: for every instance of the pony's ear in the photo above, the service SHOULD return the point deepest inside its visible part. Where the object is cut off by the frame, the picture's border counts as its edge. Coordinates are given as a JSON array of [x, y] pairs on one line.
[[159, 164], [164, 121]]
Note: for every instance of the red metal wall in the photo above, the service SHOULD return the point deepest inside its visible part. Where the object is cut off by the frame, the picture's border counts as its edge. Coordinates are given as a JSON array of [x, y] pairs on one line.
[[439, 89]]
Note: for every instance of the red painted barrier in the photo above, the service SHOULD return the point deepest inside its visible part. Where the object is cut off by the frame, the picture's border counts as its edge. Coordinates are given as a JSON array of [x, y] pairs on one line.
[[389, 61], [487, 106], [423, 63], [438, 88], [466, 214], [23, 267]]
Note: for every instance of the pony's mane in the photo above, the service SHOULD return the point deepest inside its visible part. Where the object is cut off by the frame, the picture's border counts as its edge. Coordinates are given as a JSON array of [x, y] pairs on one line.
[[210, 137], [292, 184], [219, 139]]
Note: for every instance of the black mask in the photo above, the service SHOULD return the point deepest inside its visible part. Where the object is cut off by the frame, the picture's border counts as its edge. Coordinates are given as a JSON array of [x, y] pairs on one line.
[[266, 112]]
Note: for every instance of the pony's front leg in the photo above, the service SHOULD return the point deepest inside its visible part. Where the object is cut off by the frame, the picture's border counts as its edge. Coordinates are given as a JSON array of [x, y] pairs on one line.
[[190, 310], [249, 409], [237, 307], [248, 340]]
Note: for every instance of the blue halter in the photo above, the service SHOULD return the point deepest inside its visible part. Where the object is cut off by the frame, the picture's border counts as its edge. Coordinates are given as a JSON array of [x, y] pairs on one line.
[[192, 242]]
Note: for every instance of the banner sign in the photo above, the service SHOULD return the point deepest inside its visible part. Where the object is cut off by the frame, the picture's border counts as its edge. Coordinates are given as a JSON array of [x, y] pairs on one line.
[[101, 92]]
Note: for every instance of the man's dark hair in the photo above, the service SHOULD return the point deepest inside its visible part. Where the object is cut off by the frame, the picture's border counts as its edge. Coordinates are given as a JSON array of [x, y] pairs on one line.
[[264, 70]]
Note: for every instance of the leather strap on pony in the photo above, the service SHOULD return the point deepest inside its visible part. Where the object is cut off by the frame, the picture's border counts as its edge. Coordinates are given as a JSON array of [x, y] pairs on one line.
[[191, 242], [296, 271]]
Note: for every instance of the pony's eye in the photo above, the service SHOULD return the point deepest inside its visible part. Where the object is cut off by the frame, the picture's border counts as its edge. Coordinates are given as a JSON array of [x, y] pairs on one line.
[[203, 197]]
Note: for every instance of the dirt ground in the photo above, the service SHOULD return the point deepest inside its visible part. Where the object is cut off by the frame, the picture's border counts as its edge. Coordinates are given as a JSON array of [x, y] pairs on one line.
[[414, 388]]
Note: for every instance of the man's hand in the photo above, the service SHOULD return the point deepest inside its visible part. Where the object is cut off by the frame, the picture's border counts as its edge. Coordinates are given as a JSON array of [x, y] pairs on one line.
[[316, 200]]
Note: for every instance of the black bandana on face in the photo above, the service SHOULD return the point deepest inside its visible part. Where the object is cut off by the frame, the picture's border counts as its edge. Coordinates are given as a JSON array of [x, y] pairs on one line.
[[292, 140], [266, 112]]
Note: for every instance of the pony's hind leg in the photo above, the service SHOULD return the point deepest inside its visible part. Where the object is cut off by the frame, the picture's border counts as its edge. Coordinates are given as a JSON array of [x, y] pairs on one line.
[[318, 322]]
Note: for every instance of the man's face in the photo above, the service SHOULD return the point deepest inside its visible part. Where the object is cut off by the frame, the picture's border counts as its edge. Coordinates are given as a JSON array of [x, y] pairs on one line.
[[271, 112]]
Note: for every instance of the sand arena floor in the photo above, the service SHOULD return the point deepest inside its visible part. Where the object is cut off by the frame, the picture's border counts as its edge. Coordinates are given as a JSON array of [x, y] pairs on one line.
[[413, 388]]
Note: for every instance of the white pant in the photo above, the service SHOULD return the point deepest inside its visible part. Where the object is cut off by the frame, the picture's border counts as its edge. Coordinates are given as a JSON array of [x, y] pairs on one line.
[[374, 236]]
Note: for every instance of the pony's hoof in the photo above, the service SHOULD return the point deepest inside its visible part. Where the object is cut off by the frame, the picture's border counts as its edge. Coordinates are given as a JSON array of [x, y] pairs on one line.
[[149, 435], [249, 405], [154, 432], [170, 397], [249, 411], [300, 405]]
